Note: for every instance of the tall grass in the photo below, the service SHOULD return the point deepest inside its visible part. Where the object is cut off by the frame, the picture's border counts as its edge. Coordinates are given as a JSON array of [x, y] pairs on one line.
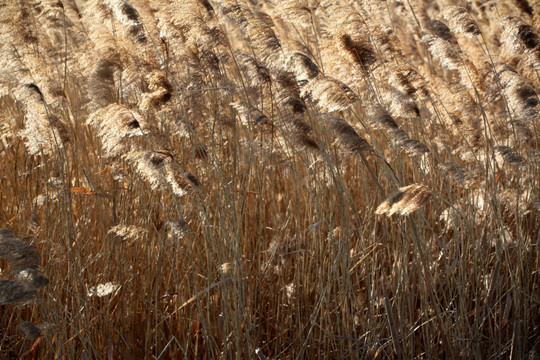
[[233, 179]]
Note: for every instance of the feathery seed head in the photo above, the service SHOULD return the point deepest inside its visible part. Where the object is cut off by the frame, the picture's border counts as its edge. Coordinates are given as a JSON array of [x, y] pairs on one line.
[[460, 21], [115, 124], [506, 155], [405, 201], [302, 65], [346, 134]]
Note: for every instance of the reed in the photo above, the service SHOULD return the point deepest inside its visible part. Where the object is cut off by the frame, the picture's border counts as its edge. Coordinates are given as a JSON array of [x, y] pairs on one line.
[[300, 179]]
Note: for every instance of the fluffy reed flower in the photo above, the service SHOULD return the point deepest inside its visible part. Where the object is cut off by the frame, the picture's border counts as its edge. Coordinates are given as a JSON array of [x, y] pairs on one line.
[[6, 131], [15, 18], [157, 168], [439, 29], [521, 97], [129, 16], [115, 124], [303, 67], [151, 166], [520, 42], [13, 292], [234, 11], [292, 110], [128, 232], [347, 136], [464, 118], [506, 155], [444, 47], [286, 88], [191, 28], [162, 91], [515, 200], [102, 77], [412, 146], [177, 228], [226, 268], [181, 183], [105, 289], [299, 134], [44, 132], [519, 35], [381, 119], [351, 35], [460, 21], [357, 47], [407, 81], [262, 38], [451, 218], [256, 73], [523, 131], [329, 94], [525, 7], [295, 11], [405, 201], [250, 115], [457, 173], [442, 44]]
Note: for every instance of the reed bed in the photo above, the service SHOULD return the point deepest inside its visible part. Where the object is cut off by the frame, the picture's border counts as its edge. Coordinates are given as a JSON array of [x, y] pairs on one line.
[[295, 179]]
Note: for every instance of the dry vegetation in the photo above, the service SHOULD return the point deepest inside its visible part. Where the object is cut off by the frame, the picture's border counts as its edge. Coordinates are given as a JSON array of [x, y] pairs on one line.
[[243, 179]]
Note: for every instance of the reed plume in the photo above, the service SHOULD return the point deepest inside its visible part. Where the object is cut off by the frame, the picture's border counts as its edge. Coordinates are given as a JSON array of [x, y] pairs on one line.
[[346, 134], [460, 21], [129, 16], [296, 11], [518, 37], [115, 125], [380, 118], [405, 201], [158, 169], [202, 179]]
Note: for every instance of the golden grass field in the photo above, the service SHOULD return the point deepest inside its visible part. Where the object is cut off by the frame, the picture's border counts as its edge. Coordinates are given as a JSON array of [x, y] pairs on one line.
[[278, 179]]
